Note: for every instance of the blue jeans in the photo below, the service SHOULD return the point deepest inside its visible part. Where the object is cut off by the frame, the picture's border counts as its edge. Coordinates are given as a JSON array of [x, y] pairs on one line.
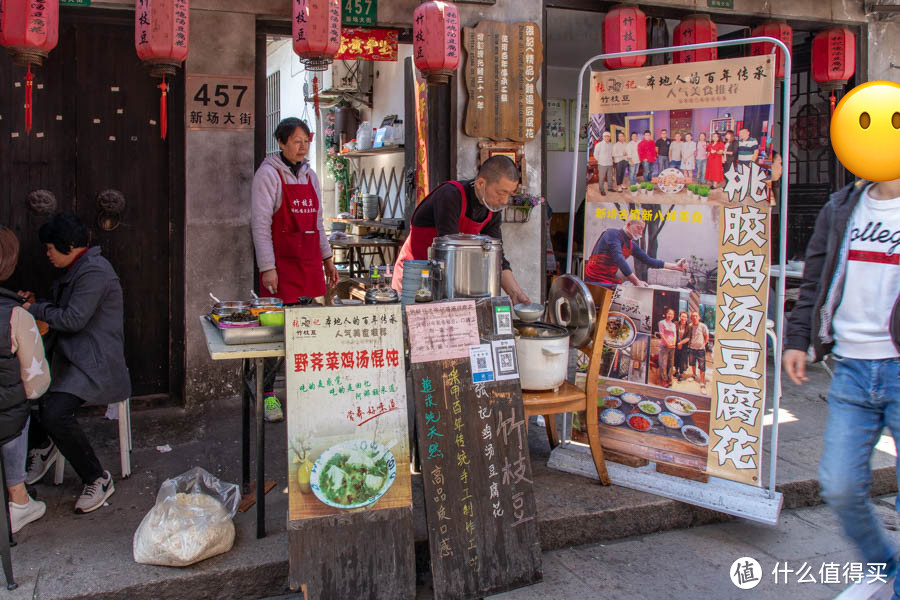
[[632, 173], [701, 170], [863, 399], [648, 170], [662, 162], [675, 164]]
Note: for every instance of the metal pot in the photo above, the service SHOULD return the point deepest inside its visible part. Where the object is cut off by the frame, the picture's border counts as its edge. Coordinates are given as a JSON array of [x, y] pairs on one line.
[[543, 352], [465, 266]]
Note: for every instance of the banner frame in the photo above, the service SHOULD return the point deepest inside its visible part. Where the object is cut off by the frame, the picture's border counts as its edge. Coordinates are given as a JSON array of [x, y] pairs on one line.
[[783, 203]]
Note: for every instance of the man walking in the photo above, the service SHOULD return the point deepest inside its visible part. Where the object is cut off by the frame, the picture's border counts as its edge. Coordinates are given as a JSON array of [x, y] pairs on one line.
[[849, 306], [603, 156]]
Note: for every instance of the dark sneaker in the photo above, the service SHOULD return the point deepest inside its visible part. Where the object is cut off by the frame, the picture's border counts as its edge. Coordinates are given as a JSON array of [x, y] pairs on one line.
[[39, 462], [95, 494]]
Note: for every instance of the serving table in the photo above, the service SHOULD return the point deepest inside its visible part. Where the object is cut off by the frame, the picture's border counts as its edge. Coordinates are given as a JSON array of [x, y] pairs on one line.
[[359, 247], [253, 380]]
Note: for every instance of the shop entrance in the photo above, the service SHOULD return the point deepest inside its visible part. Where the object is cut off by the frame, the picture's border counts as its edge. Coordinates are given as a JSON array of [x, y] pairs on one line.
[[95, 131]]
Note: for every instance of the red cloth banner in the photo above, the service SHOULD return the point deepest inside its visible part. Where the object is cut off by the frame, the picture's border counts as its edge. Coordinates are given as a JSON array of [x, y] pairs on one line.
[[359, 43]]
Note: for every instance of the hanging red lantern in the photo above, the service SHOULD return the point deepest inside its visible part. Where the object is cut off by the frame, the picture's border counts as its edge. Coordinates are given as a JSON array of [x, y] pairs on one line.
[[29, 29], [161, 29], [436, 40], [624, 29], [695, 29], [317, 36], [778, 30], [833, 59]]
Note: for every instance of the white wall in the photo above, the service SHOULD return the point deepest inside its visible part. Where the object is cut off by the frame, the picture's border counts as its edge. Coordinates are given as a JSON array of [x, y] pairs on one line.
[[281, 57], [562, 82]]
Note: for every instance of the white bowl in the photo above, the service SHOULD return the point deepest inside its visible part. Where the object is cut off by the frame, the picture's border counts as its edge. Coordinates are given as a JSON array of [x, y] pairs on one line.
[[529, 312]]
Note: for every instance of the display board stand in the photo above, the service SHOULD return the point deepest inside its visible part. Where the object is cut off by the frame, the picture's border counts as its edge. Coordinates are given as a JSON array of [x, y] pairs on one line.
[[569, 456], [473, 442], [350, 525]]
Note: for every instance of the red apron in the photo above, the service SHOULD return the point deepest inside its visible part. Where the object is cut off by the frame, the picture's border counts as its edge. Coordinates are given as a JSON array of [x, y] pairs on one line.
[[601, 268], [295, 240], [420, 238]]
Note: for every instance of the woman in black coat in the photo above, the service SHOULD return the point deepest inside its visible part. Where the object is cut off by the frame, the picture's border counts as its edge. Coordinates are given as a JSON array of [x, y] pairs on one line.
[[86, 319]]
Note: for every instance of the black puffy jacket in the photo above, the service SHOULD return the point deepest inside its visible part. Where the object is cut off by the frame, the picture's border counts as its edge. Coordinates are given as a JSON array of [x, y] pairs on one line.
[[14, 405]]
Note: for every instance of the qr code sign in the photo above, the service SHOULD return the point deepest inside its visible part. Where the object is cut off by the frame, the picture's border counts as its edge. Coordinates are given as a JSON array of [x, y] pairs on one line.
[[504, 323], [506, 361], [481, 363]]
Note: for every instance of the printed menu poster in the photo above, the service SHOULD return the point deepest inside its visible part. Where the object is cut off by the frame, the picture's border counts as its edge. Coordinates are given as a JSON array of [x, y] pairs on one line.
[[348, 441], [680, 228]]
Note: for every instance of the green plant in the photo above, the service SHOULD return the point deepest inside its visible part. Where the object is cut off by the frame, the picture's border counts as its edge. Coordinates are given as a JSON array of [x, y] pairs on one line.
[[524, 199], [633, 188], [692, 188], [703, 190]]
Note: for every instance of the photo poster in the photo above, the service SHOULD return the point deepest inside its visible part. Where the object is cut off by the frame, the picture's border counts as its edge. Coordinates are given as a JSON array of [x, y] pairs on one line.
[[347, 427], [700, 252], [556, 124], [583, 130]]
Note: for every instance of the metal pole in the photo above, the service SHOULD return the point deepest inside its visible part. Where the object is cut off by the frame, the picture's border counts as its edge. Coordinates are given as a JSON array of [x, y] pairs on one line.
[[782, 254]]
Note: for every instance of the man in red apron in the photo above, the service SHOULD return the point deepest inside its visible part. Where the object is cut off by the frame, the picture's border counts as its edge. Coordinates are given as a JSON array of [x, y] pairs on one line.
[[472, 207], [611, 252], [292, 251]]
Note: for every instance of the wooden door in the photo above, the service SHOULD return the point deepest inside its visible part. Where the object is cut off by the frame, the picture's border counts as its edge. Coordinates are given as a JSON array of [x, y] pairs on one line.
[[92, 132]]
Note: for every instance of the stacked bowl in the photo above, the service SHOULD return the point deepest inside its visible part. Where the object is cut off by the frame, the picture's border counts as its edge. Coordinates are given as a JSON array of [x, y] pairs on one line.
[[412, 279]]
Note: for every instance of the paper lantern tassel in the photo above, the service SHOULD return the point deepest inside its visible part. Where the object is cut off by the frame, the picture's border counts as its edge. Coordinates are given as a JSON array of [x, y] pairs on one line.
[[164, 88]]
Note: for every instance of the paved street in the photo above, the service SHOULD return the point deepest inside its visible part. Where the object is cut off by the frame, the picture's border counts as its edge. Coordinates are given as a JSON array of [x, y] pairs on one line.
[[694, 563]]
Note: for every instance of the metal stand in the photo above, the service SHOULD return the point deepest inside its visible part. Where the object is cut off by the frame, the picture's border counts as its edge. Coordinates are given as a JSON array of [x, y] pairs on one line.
[[255, 379], [567, 447]]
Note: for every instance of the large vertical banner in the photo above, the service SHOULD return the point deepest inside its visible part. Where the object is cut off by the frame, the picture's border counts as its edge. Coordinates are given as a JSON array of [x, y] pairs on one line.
[[348, 452], [679, 224]]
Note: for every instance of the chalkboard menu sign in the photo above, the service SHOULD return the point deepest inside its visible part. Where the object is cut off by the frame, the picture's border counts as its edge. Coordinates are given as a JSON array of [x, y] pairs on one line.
[[476, 468]]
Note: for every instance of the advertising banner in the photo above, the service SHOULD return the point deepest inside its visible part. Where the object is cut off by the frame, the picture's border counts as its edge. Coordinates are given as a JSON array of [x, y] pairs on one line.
[[677, 220]]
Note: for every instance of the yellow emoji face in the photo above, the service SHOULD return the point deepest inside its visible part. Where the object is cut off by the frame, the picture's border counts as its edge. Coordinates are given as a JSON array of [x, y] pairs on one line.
[[865, 131]]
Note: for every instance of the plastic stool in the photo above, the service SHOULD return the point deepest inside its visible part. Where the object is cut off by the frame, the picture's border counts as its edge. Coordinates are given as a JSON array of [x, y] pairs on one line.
[[124, 408]]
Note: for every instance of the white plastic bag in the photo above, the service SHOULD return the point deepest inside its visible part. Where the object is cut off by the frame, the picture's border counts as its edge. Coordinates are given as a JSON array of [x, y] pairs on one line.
[[190, 522]]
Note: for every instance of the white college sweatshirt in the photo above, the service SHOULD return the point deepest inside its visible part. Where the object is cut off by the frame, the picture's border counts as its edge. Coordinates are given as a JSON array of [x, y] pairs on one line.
[[872, 283]]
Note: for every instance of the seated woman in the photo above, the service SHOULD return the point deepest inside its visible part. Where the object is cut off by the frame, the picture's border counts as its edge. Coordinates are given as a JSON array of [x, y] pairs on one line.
[[24, 376], [86, 317]]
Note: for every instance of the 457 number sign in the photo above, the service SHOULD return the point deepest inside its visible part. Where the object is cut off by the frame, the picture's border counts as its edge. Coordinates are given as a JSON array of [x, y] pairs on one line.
[[359, 12], [223, 102]]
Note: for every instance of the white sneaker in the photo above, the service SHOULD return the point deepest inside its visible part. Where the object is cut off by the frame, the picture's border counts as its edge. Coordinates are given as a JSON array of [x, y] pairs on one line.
[[21, 515], [539, 421], [869, 591], [95, 494], [39, 462]]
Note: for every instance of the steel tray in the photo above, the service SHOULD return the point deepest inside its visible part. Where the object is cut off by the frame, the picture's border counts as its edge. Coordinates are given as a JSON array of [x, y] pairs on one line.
[[249, 335]]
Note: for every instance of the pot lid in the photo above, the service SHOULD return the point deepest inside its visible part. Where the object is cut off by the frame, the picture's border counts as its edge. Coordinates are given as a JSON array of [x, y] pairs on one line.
[[571, 305], [465, 239]]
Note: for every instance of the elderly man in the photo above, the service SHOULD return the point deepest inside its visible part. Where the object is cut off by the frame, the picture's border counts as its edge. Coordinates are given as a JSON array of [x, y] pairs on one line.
[[603, 154], [611, 252], [474, 207]]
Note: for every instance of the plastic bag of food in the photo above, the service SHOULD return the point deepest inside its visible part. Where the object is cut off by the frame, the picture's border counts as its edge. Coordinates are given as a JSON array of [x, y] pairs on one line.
[[190, 522]]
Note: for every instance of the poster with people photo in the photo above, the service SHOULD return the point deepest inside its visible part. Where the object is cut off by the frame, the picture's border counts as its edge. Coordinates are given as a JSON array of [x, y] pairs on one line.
[[677, 223]]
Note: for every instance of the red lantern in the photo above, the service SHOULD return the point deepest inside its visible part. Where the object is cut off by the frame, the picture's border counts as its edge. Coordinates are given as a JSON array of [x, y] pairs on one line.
[[161, 29], [624, 29], [30, 30], [778, 30], [833, 59], [317, 36], [695, 29], [436, 40]]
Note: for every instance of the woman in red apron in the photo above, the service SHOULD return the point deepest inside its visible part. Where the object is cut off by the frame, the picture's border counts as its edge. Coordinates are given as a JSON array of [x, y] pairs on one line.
[[292, 251]]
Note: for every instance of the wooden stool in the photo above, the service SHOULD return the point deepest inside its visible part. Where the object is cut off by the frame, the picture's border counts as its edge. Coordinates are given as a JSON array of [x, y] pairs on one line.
[[124, 408], [569, 398]]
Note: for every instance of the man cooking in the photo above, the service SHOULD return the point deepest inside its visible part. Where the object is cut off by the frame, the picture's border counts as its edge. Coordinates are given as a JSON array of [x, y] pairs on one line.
[[472, 207], [611, 252]]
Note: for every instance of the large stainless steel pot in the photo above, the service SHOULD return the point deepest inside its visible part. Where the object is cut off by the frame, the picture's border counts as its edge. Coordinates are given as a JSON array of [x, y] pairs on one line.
[[543, 352], [466, 266]]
